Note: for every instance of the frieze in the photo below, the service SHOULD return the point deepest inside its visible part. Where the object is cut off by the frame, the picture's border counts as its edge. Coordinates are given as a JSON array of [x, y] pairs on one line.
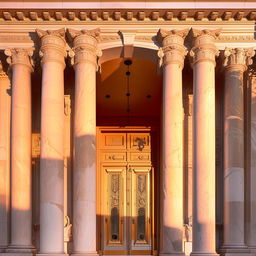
[[235, 38], [110, 38]]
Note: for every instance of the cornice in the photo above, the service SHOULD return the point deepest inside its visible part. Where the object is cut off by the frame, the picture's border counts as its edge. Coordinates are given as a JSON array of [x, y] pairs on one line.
[[124, 15]]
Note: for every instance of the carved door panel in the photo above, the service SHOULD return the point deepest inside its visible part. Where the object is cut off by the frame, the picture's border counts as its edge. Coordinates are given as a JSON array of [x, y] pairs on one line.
[[126, 182], [141, 208], [114, 208], [127, 209]]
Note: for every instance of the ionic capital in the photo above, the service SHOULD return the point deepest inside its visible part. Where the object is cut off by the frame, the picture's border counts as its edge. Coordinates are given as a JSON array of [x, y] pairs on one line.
[[53, 45], [20, 56], [173, 49], [238, 58], [85, 46], [204, 48]]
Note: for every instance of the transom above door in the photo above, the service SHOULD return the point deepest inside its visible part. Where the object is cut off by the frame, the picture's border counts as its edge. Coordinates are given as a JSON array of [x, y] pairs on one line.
[[126, 197]]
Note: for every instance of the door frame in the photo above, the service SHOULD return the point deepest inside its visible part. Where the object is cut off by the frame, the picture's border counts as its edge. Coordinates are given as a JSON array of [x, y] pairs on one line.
[[154, 130]]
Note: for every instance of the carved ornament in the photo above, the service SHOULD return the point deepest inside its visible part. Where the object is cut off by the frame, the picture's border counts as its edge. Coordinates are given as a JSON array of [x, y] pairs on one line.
[[85, 46], [238, 58], [21, 56], [53, 45], [204, 45], [173, 49], [2, 72]]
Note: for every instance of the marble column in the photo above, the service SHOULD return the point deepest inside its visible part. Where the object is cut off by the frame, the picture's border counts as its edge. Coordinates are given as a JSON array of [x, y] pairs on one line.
[[5, 112], [172, 56], [21, 186], [235, 62], [84, 57], [251, 222], [53, 52], [203, 61]]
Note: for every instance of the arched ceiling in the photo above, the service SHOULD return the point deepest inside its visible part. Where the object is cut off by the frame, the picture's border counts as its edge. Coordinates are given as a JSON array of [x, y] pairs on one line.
[[145, 89]]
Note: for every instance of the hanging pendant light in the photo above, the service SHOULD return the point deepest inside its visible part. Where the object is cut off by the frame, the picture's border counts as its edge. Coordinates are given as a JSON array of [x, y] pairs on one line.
[[128, 63]]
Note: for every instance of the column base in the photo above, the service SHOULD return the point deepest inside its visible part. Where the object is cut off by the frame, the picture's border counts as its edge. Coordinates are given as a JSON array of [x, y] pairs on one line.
[[15, 250], [172, 254], [84, 254], [203, 254], [235, 250], [51, 254], [2, 249]]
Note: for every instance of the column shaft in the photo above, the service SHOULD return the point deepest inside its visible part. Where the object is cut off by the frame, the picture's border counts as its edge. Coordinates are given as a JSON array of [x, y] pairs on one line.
[[85, 160], [172, 143], [52, 143], [233, 159], [204, 144], [204, 158], [84, 194], [21, 201], [234, 200], [172, 176], [252, 183], [5, 111]]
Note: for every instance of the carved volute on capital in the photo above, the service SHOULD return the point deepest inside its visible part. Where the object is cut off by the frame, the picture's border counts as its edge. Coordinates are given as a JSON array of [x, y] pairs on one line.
[[204, 48], [173, 49], [85, 46], [21, 56], [53, 45], [237, 58]]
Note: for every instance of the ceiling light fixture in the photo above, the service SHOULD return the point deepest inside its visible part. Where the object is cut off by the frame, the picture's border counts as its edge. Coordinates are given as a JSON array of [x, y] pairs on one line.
[[128, 63]]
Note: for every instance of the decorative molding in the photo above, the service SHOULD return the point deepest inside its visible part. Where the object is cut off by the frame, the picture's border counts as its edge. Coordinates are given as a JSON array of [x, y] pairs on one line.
[[67, 105], [20, 56], [74, 15], [237, 58], [173, 49], [236, 38], [145, 38], [2, 72], [35, 145], [110, 38]]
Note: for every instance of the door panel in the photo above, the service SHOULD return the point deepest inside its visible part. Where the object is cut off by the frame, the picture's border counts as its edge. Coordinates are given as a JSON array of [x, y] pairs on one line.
[[141, 208], [113, 195], [126, 185], [113, 141], [139, 141]]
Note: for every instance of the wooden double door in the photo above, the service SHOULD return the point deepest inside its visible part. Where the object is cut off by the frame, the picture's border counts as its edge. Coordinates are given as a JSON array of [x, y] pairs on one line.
[[127, 192]]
